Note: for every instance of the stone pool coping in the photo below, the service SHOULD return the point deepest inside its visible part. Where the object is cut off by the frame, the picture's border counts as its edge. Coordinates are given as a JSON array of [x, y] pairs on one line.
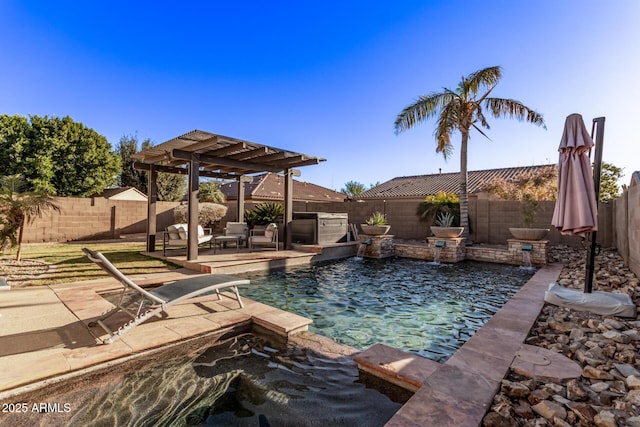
[[459, 392]]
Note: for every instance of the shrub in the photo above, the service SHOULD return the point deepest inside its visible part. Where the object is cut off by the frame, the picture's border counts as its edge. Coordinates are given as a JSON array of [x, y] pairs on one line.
[[209, 214], [440, 203]]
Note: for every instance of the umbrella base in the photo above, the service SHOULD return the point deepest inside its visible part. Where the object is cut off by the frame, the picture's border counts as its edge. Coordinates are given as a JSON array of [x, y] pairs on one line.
[[603, 303]]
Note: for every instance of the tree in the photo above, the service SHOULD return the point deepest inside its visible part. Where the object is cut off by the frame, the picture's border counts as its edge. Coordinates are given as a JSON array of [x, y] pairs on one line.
[[209, 191], [131, 177], [19, 207], [353, 189], [460, 110], [171, 186], [57, 156], [609, 177]]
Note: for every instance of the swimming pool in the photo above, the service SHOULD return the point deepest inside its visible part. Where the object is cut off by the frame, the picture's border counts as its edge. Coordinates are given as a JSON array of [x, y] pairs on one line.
[[417, 306], [234, 383]]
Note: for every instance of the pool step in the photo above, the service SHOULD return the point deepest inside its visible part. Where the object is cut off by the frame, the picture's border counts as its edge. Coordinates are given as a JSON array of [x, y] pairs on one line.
[[398, 367]]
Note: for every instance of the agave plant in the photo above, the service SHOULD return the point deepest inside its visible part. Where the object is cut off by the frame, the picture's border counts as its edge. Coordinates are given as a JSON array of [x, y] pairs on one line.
[[265, 213], [377, 218], [444, 219]]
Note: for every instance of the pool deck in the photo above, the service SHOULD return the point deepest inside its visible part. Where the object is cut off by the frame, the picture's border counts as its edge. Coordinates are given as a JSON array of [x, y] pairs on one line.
[[44, 333]]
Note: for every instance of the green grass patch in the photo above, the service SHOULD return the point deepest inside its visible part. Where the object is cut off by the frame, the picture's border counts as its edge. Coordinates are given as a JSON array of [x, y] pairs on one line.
[[72, 265]]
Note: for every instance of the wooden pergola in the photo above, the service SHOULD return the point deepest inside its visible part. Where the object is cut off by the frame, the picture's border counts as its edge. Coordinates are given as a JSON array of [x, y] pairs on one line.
[[200, 153]]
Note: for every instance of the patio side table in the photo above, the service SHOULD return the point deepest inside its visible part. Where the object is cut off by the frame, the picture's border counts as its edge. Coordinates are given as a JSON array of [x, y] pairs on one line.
[[222, 241]]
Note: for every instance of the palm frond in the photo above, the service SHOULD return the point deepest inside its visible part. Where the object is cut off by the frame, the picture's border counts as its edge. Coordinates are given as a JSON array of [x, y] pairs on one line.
[[513, 109], [424, 108], [488, 77], [481, 132], [447, 124]]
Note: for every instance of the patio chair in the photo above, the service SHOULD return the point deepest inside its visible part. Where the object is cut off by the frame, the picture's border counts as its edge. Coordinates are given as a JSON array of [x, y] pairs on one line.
[[176, 235], [145, 304], [237, 229], [264, 237]]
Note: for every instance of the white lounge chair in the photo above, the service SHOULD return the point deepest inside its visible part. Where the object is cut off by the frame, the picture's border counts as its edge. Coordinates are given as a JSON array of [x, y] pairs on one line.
[[148, 303], [264, 237]]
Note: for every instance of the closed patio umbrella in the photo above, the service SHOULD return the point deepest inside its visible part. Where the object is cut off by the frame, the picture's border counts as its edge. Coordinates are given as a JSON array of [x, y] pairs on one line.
[[576, 209]]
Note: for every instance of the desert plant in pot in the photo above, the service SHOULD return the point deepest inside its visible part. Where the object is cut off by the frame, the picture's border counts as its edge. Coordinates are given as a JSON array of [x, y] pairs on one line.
[[444, 226], [376, 225]]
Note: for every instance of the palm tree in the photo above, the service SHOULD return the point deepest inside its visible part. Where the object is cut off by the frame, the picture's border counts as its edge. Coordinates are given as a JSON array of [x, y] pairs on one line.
[[460, 110], [19, 207]]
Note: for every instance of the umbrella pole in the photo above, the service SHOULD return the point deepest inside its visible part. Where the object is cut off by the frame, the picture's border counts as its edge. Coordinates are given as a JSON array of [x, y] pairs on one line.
[[598, 124]]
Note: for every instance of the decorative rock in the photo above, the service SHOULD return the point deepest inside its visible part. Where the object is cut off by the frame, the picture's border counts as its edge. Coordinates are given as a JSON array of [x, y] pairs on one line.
[[617, 337], [605, 419], [596, 374], [523, 410], [583, 411], [557, 422], [626, 356], [576, 334], [607, 397], [626, 369], [575, 391], [561, 326], [550, 410], [554, 388], [633, 397], [633, 382], [633, 422], [613, 323], [493, 419], [538, 396], [513, 389], [599, 387], [618, 386], [633, 334]]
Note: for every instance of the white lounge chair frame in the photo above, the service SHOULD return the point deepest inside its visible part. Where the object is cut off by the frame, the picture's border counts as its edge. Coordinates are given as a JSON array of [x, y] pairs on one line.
[[157, 299]]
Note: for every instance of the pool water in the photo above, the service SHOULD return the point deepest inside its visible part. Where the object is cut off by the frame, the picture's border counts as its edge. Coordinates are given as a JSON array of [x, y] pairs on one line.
[[240, 382], [417, 306]]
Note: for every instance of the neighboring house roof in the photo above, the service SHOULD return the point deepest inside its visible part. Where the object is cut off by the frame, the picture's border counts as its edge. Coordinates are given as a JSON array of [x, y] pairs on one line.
[[124, 193], [635, 179], [419, 186], [270, 187]]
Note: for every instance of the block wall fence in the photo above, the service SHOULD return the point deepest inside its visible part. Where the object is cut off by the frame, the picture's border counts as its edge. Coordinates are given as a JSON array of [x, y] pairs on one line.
[[99, 218]]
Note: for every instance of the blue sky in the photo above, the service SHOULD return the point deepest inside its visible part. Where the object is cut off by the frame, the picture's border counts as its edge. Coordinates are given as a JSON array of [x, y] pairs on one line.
[[327, 78]]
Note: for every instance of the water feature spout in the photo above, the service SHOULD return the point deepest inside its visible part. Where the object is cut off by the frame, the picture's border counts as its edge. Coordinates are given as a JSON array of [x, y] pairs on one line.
[[437, 248], [527, 248], [363, 247]]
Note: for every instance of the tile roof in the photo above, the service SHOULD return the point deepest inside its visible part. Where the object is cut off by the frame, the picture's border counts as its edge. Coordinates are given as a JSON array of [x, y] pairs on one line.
[[270, 186], [419, 186]]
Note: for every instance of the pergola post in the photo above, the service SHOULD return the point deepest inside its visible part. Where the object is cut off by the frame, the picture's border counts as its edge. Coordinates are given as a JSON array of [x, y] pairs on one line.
[[288, 207], [152, 199], [240, 203], [194, 181]]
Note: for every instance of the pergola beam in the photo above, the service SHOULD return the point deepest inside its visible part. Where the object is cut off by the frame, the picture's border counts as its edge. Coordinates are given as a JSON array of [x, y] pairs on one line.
[[221, 161], [183, 171]]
